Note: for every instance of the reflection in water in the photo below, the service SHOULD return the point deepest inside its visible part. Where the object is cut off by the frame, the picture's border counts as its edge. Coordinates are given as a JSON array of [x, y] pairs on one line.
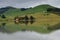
[[23, 30], [40, 24], [16, 20], [54, 27], [2, 27], [32, 19], [31, 36], [11, 28], [24, 20]]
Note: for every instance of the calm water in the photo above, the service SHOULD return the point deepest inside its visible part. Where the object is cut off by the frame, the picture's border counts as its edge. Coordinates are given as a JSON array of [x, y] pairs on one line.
[[11, 27], [24, 35], [28, 35], [28, 31]]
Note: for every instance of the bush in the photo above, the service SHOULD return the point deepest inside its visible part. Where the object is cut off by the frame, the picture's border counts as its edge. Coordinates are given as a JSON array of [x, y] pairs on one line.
[[23, 9], [3, 16]]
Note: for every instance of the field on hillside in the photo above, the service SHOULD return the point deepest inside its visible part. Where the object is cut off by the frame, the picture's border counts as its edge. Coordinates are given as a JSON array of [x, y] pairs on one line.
[[41, 24]]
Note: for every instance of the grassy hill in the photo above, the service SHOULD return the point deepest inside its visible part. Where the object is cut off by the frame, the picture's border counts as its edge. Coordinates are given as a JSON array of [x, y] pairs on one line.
[[14, 11], [11, 11], [45, 17]]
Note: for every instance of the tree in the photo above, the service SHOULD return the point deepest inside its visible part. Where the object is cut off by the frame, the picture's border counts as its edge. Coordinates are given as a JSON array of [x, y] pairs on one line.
[[26, 19], [23, 9], [32, 19], [3, 16]]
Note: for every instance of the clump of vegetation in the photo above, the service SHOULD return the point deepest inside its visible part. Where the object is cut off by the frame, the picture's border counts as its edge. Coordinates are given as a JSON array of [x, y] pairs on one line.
[[23, 9], [3, 16], [32, 19]]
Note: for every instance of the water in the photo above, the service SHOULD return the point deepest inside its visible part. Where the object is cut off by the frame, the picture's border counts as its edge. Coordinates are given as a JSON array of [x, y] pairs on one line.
[[31, 30], [11, 31], [11, 27], [28, 35]]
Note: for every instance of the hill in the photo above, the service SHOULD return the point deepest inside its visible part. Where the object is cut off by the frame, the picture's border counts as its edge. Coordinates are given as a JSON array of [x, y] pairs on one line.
[[47, 18], [2, 10], [11, 11]]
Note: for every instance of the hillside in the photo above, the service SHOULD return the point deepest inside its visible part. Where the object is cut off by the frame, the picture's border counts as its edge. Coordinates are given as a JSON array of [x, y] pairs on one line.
[[11, 11], [2, 10], [46, 18]]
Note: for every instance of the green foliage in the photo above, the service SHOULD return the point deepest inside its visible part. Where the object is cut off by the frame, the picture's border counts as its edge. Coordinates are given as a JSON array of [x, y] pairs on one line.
[[37, 9], [3, 16]]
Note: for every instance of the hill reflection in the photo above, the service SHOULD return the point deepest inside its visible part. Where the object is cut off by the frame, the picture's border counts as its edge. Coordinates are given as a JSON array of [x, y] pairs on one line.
[[2, 27]]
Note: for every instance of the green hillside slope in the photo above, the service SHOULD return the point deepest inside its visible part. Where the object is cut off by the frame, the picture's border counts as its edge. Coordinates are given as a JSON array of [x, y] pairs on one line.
[[15, 12]]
